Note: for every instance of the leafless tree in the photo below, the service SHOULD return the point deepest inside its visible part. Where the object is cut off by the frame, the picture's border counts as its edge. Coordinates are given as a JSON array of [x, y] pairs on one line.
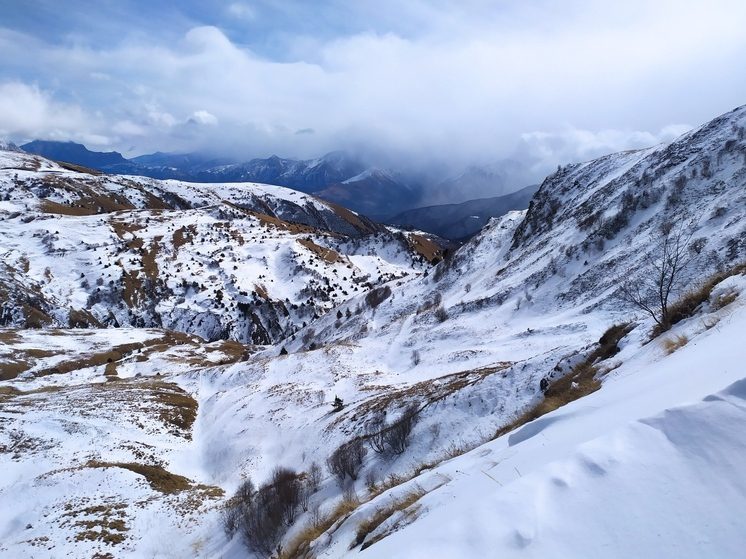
[[287, 488], [397, 434], [314, 476], [347, 459], [662, 272], [375, 434]]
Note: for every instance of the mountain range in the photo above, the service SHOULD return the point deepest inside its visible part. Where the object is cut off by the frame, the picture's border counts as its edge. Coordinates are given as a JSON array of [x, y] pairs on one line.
[[337, 176], [240, 369]]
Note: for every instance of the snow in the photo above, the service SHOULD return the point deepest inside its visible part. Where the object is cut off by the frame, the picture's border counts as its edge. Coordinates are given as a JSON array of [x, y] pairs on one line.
[[649, 465]]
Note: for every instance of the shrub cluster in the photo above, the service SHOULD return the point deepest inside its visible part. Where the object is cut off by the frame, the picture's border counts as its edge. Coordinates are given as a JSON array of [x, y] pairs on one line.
[[392, 438], [347, 459], [376, 296], [261, 515]]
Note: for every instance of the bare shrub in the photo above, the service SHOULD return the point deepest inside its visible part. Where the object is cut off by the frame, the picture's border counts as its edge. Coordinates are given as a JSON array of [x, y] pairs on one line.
[[287, 490], [347, 459], [686, 305], [377, 296], [394, 438], [397, 435], [371, 482], [260, 515], [441, 314], [305, 494], [235, 509], [314, 476], [662, 272], [375, 436], [262, 522]]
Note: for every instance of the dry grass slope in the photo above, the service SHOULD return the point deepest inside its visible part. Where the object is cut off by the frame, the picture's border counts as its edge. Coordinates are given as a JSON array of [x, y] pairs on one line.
[[158, 478], [382, 514]]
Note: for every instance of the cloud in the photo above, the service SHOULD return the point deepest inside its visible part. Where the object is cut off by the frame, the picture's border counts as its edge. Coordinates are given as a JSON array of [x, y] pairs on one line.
[[27, 111], [573, 144], [241, 10], [204, 117], [416, 82]]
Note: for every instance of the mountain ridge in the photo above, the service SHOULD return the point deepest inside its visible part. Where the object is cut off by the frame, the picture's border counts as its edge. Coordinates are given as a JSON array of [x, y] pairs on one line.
[[336, 176]]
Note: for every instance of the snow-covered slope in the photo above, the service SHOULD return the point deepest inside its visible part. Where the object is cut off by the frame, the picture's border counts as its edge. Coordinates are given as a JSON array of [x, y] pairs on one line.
[[648, 466], [585, 440], [250, 262]]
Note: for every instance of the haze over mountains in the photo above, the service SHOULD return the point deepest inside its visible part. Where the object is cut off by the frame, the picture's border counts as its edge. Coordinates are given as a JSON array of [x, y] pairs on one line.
[[337, 176]]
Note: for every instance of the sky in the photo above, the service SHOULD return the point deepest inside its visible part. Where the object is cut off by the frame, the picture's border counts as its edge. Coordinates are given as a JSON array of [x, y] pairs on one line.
[[459, 82]]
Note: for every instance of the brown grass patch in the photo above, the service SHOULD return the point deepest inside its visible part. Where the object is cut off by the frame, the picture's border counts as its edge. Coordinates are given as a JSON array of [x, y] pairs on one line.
[[34, 318], [9, 336], [687, 305], [430, 391], [183, 235], [326, 254], [78, 168], [90, 197], [271, 221], [149, 264], [672, 344], [179, 408], [299, 546], [724, 299], [105, 523], [425, 247], [94, 360], [157, 477], [380, 515], [580, 382], [80, 318], [11, 369], [121, 227], [261, 291], [349, 217], [9, 391], [24, 359], [50, 207]]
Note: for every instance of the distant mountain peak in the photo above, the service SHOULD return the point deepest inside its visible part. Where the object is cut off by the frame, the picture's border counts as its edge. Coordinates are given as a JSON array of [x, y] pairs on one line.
[[6, 145], [73, 152]]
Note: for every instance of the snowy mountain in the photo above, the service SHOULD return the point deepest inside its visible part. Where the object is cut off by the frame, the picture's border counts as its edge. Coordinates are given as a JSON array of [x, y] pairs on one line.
[[249, 262], [8, 146], [512, 401], [336, 176]]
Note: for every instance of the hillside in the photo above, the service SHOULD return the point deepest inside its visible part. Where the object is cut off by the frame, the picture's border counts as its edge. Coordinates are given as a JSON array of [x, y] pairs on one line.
[[510, 400], [248, 262]]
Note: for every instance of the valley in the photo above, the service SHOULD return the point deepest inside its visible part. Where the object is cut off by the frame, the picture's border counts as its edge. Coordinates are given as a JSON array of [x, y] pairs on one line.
[[227, 370]]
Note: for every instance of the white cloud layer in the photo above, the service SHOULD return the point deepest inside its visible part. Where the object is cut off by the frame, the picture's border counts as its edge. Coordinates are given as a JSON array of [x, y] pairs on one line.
[[471, 82]]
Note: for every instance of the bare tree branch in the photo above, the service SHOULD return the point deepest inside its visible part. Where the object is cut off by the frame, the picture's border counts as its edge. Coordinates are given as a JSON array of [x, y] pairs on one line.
[[662, 271]]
